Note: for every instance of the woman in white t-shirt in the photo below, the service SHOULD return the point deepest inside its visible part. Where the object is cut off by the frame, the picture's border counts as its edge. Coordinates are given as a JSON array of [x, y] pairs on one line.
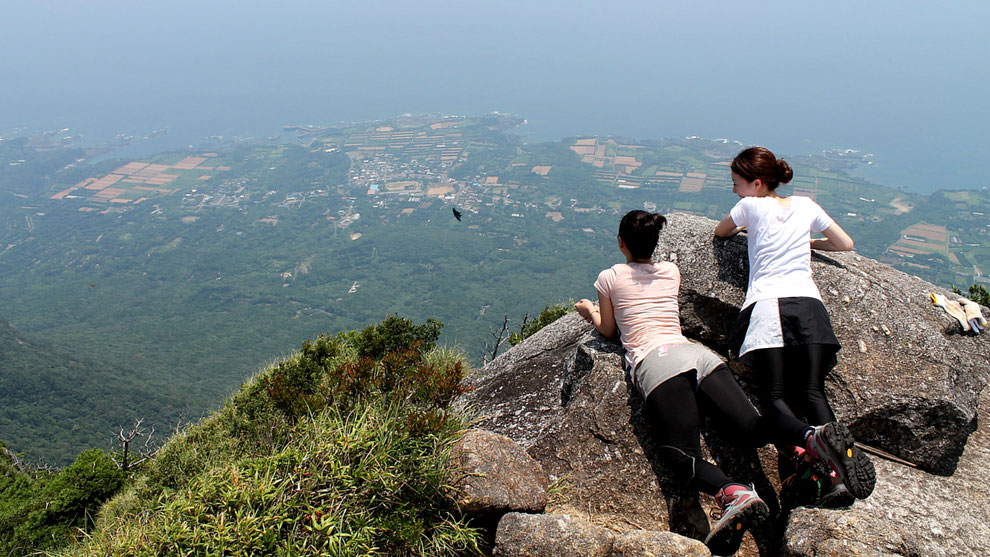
[[783, 330]]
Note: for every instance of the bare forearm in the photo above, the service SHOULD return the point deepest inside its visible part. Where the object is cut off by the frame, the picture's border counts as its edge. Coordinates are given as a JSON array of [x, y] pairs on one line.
[[824, 244]]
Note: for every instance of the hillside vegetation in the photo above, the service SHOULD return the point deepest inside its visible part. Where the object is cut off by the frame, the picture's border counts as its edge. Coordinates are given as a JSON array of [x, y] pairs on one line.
[[339, 449]]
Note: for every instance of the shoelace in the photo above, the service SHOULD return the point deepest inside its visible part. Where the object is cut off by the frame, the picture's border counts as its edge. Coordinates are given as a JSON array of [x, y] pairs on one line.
[[718, 511]]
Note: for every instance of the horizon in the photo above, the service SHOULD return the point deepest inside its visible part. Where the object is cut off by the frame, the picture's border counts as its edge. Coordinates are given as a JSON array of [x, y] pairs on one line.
[[899, 80]]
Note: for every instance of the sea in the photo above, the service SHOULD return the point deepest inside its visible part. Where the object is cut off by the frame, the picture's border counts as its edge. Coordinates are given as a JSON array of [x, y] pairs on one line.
[[905, 82]]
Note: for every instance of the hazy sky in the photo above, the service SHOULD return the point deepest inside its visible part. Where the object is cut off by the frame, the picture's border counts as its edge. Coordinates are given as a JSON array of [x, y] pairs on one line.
[[900, 78]]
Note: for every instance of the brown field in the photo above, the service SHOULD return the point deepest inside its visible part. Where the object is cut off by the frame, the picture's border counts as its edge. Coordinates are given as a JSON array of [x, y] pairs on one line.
[[626, 160], [555, 216], [491, 180], [696, 175], [120, 200], [931, 232], [222, 168], [63, 193], [691, 185], [902, 250], [600, 151], [587, 141], [670, 174], [406, 211], [204, 177], [924, 246], [444, 125], [439, 190], [954, 258], [542, 170], [111, 192], [599, 163], [87, 209], [130, 168], [189, 163]]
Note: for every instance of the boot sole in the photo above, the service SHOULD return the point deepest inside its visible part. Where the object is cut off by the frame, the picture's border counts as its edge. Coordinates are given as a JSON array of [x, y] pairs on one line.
[[857, 469], [726, 540]]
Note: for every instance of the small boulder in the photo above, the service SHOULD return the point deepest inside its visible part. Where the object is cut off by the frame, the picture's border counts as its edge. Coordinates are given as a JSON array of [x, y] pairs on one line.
[[492, 475], [648, 543], [550, 535]]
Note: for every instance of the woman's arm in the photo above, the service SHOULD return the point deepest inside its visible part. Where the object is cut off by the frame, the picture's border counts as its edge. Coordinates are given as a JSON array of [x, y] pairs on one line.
[[602, 317], [727, 227], [836, 239]]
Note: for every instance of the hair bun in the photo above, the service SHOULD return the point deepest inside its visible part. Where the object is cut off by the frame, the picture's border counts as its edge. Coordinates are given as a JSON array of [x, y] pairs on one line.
[[784, 172]]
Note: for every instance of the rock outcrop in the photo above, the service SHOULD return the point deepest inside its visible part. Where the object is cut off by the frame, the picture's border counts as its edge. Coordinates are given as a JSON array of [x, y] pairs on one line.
[[906, 381]]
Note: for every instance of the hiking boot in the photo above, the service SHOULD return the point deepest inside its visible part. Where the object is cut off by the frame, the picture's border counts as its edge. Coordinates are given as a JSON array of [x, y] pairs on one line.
[[833, 444], [736, 513], [836, 497], [802, 488]]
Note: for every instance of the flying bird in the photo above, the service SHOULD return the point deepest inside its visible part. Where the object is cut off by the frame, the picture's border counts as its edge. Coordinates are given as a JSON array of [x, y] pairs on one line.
[[457, 214]]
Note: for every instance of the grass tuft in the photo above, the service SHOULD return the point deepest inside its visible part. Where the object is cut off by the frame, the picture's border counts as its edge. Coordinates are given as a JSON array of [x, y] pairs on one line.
[[341, 449]]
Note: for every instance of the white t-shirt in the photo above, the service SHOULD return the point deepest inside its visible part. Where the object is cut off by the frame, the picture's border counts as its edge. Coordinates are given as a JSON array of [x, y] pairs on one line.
[[779, 242], [644, 300]]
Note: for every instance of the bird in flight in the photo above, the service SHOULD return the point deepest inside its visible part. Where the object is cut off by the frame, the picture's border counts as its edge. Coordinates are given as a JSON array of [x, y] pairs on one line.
[[457, 214]]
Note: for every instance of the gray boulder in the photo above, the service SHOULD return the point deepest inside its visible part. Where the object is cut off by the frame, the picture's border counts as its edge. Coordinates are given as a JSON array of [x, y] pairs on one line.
[[550, 535], [649, 543], [492, 475]]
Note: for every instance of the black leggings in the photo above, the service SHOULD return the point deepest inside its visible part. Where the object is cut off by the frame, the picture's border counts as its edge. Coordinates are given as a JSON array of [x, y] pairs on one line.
[[675, 409], [792, 386]]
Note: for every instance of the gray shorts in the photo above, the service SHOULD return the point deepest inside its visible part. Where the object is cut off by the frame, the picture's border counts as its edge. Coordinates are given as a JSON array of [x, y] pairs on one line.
[[671, 360]]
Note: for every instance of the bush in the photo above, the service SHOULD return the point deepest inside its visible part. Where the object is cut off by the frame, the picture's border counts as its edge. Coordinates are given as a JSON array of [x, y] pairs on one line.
[[48, 512], [339, 450], [549, 314]]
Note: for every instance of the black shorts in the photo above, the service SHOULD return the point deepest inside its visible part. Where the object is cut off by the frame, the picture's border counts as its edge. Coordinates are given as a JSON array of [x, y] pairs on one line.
[[780, 322]]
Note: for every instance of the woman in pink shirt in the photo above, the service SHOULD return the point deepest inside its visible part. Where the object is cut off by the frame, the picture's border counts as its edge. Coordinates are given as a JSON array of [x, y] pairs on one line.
[[680, 380]]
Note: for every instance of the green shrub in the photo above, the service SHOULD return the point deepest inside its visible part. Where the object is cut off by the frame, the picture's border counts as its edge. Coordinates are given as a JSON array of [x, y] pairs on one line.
[[48, 511], [549, 314], [340, 449], [978, 293]]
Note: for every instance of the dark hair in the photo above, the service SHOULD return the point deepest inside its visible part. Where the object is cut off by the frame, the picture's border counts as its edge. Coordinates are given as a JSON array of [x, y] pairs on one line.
[[640, 231], [759, 163]]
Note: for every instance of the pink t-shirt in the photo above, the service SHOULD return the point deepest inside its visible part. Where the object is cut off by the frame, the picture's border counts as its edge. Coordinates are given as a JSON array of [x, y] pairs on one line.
[[644, 300]]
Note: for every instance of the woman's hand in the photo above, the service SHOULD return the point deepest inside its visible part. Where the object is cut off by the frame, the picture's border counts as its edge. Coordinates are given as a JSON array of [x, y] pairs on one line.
[[586, 308]]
